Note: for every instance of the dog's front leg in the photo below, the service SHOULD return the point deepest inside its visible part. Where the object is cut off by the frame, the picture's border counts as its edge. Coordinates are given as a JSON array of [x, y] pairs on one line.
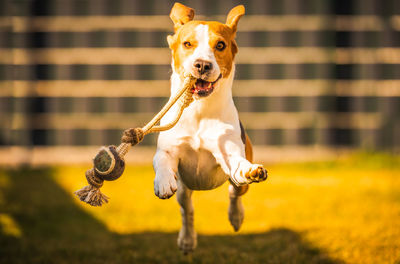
[[165, 166], [244, 172]]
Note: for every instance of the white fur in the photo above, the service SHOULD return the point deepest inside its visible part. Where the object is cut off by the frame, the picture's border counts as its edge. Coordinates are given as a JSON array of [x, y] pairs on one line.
[[203, 51], [208, 124]]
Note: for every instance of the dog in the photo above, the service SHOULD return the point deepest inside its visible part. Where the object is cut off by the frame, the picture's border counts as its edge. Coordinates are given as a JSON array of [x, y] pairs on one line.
[[208, 145]]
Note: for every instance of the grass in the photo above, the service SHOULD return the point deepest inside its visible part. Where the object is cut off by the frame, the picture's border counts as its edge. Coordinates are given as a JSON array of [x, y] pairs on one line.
[[343, 211]]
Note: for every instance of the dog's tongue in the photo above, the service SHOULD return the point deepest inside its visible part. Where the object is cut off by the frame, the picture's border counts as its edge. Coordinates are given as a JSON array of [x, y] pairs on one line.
[[202, 88], [203, 85]]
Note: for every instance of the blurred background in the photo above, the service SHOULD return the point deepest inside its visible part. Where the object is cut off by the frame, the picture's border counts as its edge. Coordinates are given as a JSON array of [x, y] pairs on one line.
[[313, 77], [318, 91]]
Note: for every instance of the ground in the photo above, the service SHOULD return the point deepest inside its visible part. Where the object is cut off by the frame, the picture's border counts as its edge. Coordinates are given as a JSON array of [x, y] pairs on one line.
[[342, 211]]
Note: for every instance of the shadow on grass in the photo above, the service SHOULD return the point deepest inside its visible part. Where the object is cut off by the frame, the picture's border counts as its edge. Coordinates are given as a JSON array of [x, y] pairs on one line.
[[54, 230]]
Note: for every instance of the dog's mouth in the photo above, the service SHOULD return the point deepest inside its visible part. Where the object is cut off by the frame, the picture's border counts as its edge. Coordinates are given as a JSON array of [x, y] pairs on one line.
[[203, 88]]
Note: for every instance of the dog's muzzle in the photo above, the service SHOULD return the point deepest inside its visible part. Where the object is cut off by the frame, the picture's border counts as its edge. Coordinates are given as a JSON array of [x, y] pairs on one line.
[[203, 88]]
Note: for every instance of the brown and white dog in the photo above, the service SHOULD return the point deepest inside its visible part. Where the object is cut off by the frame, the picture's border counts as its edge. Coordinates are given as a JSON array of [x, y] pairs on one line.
[[208, 145]]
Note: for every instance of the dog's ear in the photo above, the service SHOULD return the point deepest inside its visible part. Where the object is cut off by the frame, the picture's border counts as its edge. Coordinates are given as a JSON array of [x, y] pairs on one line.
[[181, 14], [171, 40], [233, 17]]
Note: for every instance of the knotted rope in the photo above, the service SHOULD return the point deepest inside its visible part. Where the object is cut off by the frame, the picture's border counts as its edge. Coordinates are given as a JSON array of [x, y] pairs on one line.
[[109, 162]]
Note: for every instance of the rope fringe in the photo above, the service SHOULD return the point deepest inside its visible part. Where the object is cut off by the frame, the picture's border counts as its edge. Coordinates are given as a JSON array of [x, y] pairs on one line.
[[92, 195]]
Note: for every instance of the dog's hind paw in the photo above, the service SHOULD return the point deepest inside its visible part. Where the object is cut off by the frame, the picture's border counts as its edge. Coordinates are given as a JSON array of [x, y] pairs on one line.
[[257, 173], [236, 213], [187, 242]]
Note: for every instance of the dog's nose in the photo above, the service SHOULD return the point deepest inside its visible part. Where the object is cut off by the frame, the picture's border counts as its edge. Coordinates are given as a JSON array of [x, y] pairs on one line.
[[202, 66]]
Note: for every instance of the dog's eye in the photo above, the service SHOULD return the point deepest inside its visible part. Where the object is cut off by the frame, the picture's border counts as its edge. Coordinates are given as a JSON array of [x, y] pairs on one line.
[[220, 46], [187, 44]]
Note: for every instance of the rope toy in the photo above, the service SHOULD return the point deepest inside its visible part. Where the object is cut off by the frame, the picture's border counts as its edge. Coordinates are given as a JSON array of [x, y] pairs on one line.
[[109, 163]]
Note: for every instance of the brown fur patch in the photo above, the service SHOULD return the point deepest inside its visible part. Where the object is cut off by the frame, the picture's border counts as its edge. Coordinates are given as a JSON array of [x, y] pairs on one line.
[[242, 133], [247, 143]]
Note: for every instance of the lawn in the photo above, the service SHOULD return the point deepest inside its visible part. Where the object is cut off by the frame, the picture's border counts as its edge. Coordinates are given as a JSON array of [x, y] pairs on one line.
[[343, 211]]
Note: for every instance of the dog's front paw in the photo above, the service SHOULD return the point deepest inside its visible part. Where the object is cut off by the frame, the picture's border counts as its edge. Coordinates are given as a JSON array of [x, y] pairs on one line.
[[165, 186], [256, 173]]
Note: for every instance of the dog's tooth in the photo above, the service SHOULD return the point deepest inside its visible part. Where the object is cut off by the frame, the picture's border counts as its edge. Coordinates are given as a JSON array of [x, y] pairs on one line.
[[209, 85]]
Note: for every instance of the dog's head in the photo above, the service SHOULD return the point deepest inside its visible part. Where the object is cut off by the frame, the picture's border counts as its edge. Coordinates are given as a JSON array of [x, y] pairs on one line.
[[204, 49]]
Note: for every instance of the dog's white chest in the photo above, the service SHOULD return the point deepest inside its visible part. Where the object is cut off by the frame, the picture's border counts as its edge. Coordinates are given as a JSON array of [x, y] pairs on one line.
[[205, 136]]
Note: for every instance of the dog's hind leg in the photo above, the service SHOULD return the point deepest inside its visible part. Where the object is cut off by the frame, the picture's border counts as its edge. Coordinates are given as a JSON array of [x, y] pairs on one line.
[[236, 210], [187, 239]]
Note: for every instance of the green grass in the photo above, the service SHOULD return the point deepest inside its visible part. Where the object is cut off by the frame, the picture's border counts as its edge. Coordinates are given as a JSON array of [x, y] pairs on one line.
[[343, 211]]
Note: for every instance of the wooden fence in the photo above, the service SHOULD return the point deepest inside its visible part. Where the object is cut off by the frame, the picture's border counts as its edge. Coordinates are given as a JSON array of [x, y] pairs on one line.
[[309, 73]]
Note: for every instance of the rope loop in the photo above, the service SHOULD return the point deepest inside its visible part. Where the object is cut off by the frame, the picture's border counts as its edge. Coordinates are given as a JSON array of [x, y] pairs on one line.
[[133, 136], [186, 99], [93, 180]]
